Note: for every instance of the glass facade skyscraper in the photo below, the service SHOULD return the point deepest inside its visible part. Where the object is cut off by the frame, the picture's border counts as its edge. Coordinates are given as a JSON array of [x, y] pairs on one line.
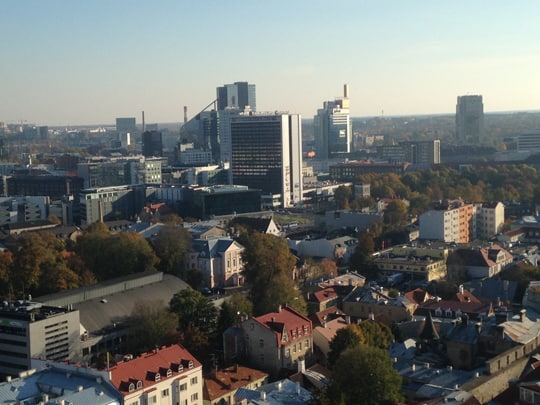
[[332, 127], [266, 154]]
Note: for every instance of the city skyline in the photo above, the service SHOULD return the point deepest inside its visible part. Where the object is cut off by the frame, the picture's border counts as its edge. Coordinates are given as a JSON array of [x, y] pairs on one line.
[[77, 63]]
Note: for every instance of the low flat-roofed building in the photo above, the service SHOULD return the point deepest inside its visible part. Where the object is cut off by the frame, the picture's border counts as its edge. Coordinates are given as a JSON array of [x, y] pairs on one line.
[[106, 307], [50, 382]]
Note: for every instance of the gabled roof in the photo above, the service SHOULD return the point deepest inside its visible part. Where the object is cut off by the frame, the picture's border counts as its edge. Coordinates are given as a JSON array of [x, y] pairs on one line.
[[229, 380], [168, 362], [256, 224], [483, 257], [286, 321], [330, 328], [330, 293], [213, 247], [417, 296], [475, 308], [328, 314], [464, 295]]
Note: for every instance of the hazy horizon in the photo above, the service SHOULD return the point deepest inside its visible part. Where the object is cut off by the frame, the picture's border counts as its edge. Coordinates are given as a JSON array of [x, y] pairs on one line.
[[74, 63]]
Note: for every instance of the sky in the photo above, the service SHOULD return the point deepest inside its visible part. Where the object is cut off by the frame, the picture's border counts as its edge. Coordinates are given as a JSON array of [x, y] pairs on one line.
[[77, 62]]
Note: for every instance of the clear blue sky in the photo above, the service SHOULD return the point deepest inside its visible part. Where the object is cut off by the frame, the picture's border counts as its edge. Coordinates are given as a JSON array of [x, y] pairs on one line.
[[68, 62]]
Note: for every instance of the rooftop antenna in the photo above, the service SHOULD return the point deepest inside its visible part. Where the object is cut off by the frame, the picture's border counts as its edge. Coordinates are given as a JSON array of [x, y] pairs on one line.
[[185, 115]]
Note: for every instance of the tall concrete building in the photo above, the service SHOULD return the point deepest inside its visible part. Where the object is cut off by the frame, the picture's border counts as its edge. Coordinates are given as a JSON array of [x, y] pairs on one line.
[[236, 95], [126, 125], [152, 143], [332, 127], [469, 119], [266, 154]]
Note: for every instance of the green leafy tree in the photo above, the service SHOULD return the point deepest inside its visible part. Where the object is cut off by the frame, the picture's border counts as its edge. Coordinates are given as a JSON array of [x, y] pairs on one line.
[[364, 375], [171, 245], [268, 266], [376, 334], [345, 338], [152, 325], [395, 214], [194, 310], [232, 311], [342, 196], [361, 260], [6, 263]]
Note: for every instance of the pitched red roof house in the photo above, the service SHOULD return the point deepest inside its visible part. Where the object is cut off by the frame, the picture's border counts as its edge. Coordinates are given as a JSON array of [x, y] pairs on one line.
[[160, 369]]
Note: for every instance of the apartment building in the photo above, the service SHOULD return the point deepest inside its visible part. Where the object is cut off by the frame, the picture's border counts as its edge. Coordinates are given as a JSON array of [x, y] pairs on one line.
[[277, 340]]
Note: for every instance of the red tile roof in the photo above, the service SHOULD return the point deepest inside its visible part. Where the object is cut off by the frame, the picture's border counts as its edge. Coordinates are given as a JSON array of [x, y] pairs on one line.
[[324, 295], [286, 321], [328, 314], [229, 380], [141, 371]]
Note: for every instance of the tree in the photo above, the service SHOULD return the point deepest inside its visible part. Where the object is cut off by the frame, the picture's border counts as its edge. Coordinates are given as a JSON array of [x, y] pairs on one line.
[[232, 311], [395, 214], [194, 310], [376, 334], [113, 255], [342, 196], [345, 338], [6, 263], [171, 245], [268, 266], [364, 375], [361, 260], [152, 324], [36, 257]]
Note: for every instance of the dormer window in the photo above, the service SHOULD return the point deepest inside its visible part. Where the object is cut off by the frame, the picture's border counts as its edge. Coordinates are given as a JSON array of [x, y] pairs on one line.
[[169, 372], [131, 387], [190, 364], [180, 367], [139, 384], [449, 313], [438, 312], [157, 377]]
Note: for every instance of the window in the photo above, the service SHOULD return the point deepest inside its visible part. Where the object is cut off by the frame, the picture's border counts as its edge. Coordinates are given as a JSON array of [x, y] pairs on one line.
[[261, 342], [193, 380], [131, 387], [294, 348], [152, 400], [194, 396], [288, 353], [306, 344], [157, 377], [165, 392], [183, 387]]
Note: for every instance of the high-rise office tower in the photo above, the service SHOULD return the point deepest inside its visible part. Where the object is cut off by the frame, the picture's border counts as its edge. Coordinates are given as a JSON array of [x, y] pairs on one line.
[[126, 125], [236, 95], [152, 144], [422, 152], [332, 127], [469, 119], [266, 154]]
